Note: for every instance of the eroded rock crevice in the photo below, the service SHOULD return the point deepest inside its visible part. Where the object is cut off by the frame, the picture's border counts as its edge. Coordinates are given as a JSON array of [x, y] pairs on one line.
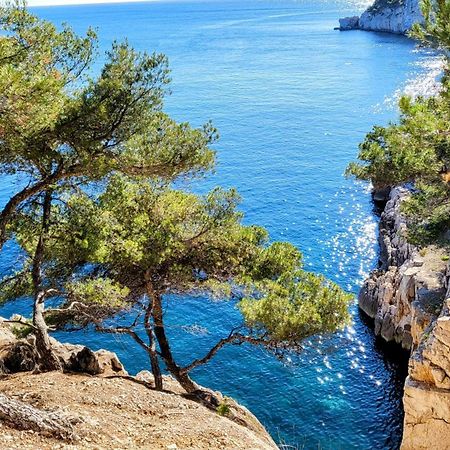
[[408, 296]]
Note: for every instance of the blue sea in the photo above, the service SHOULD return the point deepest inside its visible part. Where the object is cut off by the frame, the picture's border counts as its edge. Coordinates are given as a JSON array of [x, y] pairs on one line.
[[292, 98]]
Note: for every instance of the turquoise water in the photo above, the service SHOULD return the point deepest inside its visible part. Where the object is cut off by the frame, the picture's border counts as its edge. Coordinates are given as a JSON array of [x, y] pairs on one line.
[[292, 98]]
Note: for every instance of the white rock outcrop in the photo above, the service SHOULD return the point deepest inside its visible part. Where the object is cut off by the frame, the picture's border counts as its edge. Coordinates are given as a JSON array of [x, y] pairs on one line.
[[427, 389], [408, 297], [405, 293], [392, 16]]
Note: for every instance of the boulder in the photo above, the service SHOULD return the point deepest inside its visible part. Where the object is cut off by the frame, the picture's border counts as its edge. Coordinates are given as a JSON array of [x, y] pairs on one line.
[[78, 358], [20, 355], [84, 361]]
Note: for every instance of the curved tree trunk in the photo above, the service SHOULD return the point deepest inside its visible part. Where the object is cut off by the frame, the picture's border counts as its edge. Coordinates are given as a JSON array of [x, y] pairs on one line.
[[48, 360], [25, 417], [14, 202], [166, 353], [154, 362]]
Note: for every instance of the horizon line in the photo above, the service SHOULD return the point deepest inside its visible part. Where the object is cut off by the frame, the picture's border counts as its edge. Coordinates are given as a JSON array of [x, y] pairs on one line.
[[39, 3]]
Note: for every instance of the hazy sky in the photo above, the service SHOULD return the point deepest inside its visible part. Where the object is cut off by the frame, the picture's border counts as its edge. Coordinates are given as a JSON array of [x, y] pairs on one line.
[[74, 2]]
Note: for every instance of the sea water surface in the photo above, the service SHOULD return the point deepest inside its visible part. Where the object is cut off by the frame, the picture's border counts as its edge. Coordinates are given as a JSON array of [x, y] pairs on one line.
[[292, 99]]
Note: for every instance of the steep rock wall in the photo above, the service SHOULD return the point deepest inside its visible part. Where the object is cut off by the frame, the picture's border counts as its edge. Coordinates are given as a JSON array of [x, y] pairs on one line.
[[392, 16], [427, 389], [404, 295], [408, 297]]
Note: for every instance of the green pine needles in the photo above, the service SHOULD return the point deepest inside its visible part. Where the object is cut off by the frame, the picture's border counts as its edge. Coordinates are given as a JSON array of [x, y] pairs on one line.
[[416, 150], [101, 227]]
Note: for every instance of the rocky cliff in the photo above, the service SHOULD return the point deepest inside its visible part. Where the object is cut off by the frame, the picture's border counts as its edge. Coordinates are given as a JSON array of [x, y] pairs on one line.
[[393, 16], [97, 405], [408, 297]]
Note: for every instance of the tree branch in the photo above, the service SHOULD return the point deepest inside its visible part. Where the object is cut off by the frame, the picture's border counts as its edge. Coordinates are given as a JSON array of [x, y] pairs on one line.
[[21, 322], [123, 330], [200, 361], [28, 192]]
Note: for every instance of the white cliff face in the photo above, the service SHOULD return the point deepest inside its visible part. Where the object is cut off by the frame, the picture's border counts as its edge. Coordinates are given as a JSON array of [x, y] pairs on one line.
[[405, 294], [409, 299], [427, 389], [394, 16]]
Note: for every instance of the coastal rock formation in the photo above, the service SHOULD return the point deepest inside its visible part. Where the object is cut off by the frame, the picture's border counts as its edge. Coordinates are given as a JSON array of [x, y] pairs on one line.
[[408, 297], [349, 23], [393, 16], [122, 413], [404, 295], [97, 405], [19, 355], [427, 389]]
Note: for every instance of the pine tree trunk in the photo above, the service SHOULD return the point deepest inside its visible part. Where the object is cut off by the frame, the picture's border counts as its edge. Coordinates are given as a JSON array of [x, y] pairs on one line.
[[166, 353], [156, 370], [48, 360], [154, 361], [25, 417]]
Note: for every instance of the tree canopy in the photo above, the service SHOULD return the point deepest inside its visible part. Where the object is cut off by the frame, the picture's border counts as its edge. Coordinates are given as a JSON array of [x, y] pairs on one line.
[[138, 241], [101, 227], [58, 124]]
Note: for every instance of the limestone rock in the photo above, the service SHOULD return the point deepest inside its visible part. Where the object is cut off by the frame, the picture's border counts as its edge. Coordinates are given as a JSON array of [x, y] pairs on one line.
[[78, 358], [404, 295], [427, 417], [6, 334], [118, 413], [349, 23], [392, 16], [408, 297], [109, 363], [20, 355]]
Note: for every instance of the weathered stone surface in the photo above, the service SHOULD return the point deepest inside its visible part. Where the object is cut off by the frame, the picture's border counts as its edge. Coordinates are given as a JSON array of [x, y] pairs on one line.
[[409, 298], [349, 23], [405, 294], [20, 355], [121, 414], [109, 363], [78, 358], [6, 335], [427, 417], [15, 355], [392, 16]]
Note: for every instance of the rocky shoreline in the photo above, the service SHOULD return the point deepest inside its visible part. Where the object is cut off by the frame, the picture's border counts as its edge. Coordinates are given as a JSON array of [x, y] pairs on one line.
[[392, 16], [408, 296], [95, 404]]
